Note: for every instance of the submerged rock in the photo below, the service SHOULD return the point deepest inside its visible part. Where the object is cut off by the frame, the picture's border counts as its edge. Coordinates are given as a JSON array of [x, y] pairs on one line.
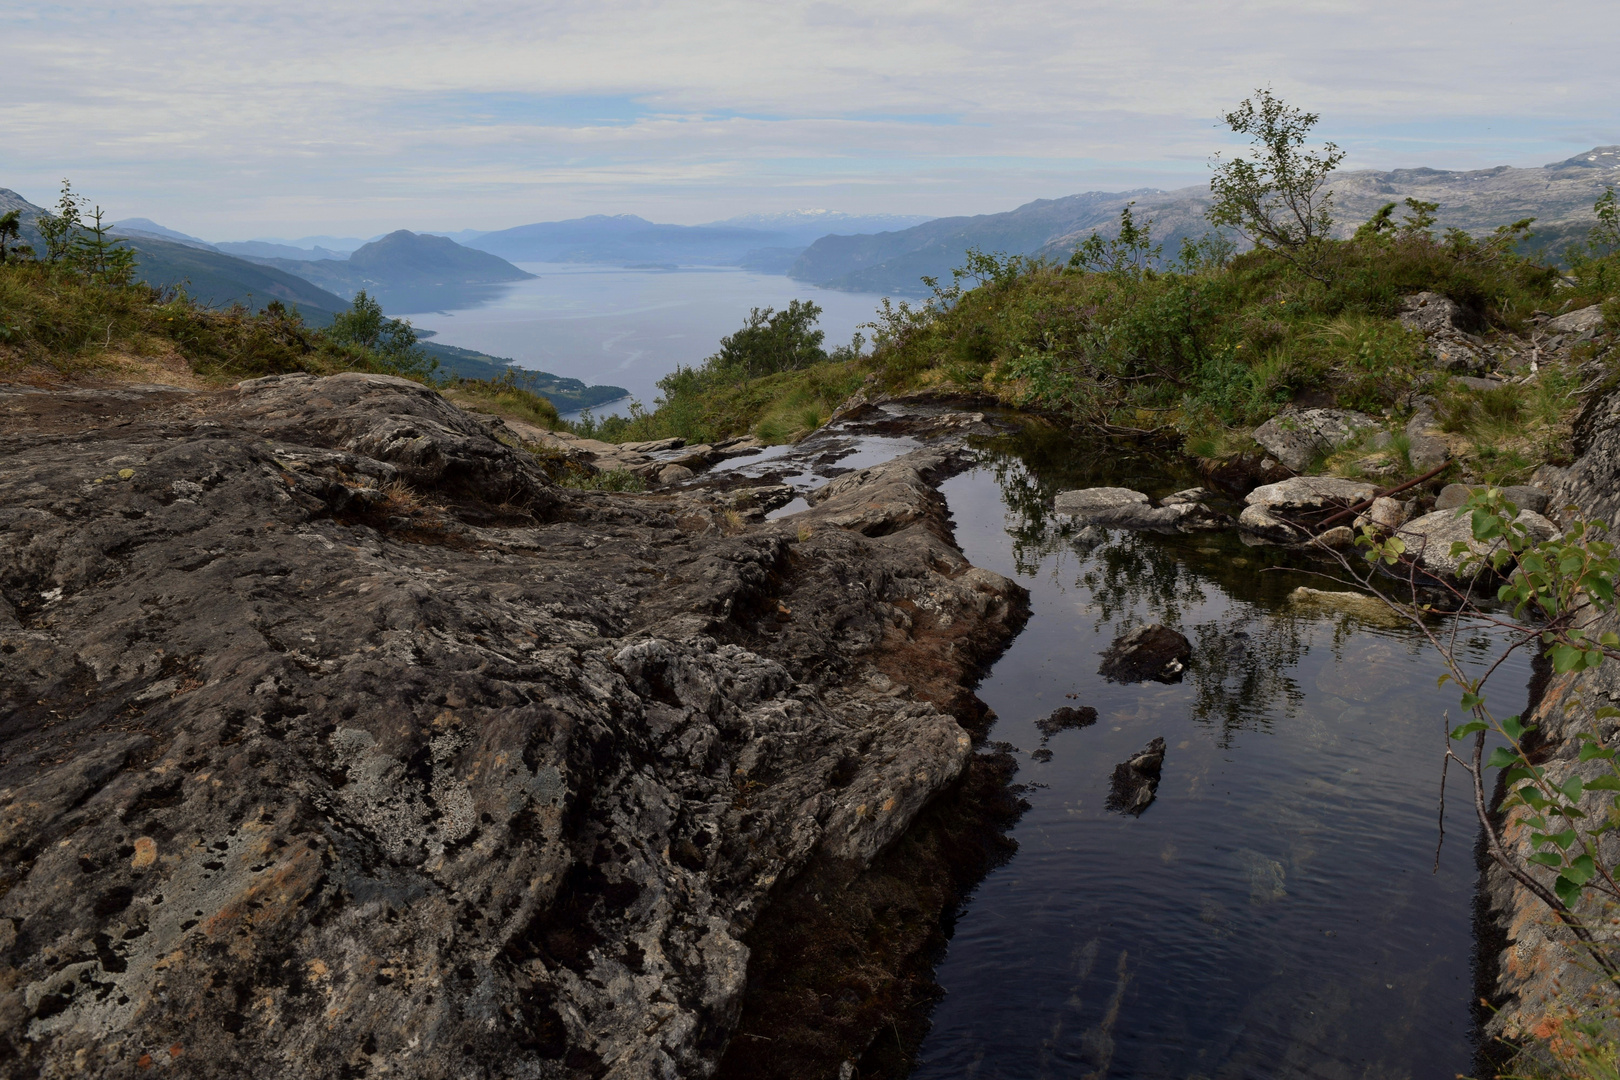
[[1146, 653], [1298, 438], [1065, 718], [1136, 780]]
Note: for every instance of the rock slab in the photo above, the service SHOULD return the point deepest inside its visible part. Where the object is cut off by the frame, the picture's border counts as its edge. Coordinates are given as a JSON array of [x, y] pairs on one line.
[[1298, 438], [336, 741]]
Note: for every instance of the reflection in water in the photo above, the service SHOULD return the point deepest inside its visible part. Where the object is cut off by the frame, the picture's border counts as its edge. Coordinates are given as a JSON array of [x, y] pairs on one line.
[[1273, 913]]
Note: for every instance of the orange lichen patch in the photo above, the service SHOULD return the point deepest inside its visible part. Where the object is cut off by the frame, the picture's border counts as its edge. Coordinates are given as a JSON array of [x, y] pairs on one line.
[[145, 853], [176, 1050], [144, 1061], [272, 897]]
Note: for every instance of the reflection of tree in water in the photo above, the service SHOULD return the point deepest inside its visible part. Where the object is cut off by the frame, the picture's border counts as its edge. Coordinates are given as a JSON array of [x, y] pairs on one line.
[[1244, 663]]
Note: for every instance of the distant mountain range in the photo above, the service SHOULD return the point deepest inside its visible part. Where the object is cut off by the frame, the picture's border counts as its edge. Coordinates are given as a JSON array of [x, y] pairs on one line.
[[1558, 195], [755, 241]]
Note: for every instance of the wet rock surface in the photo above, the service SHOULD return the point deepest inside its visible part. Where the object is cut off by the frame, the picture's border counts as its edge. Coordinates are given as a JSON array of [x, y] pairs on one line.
[[338, 741], [1065, 719], [1136, 780], [1147, 653]]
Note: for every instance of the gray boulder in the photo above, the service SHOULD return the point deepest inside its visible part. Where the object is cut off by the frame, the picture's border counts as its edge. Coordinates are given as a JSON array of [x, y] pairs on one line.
[[1429, 538], [1429, 313], [1122, 508], [1577, 322], [1277, 511], [1296, 438], [1524, 496]]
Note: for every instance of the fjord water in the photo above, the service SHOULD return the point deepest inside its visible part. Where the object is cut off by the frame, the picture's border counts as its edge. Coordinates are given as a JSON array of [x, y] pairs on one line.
[[627, 327], [1276, 912]]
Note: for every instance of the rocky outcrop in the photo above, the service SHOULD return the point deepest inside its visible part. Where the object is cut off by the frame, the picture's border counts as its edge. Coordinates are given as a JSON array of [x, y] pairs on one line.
[[1154, 652], [337, 741], [1297, 438], [1541, 976]]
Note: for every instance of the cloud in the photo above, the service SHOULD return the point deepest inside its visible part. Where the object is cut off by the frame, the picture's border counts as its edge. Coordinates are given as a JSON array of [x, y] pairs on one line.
[[229, 118]]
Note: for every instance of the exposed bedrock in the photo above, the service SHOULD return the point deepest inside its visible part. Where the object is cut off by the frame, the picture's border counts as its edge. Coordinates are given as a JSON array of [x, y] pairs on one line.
[[336, 741], [1540, 974]]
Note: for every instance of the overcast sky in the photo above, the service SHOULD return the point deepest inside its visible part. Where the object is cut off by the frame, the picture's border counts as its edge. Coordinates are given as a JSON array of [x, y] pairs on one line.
[[232, 119]]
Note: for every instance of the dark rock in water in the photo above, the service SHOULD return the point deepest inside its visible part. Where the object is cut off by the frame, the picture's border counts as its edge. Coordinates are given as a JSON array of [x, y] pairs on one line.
[[1149, 652], [1066, 718], [1042, 755], [1136, 780]]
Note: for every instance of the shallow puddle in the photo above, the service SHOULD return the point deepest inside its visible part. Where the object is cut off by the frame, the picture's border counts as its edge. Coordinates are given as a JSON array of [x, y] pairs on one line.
[[1276, 911]]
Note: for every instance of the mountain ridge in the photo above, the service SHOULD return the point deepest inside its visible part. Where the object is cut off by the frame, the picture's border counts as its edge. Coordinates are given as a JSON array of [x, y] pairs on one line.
[[1559, 194]]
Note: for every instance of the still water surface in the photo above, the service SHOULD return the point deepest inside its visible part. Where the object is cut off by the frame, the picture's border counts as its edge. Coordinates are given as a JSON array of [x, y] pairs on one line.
[[1275, 913], [629, 328]]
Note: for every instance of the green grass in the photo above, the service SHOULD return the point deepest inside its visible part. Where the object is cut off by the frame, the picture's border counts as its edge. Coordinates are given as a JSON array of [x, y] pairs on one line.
[[54, 321], [504, 396]]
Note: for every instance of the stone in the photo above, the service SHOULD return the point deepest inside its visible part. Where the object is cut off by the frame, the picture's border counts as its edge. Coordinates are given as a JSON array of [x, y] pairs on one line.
[[1065, 718], [1100, 505], [652, 446], [1305, 494], [1258, 524], [1126, 509], [1385, 514], [1577, 322], [1427, 452], [1136, 780], [1338, 537], [1524, 496], [1429, 539], [1298, 438], [1479, 385], [1153, 652], [1429, 312], [1368, 609], [1379, 465], [474, 776], [674, 474], [1188, 496], [1282, 512]]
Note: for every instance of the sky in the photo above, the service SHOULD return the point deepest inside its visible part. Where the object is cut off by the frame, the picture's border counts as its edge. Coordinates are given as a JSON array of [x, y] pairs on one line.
[[231, 120]]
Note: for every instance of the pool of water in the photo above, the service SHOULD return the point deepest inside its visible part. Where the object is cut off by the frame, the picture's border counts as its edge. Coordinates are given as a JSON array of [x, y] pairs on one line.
[[1277, 911]]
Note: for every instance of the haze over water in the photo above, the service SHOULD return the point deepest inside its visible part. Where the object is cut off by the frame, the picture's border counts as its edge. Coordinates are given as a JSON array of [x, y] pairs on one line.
[[629, 328]]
